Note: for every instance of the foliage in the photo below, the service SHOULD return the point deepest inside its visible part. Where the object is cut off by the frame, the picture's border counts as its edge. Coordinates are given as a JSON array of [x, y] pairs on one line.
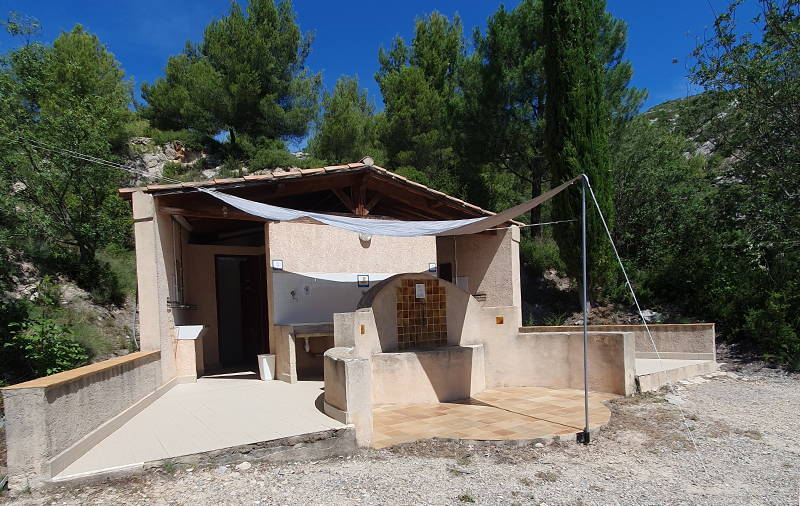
[[419, 84], [540, 253], [509, 97], [754, 80], [192, 139], [74, 96], [46, 347], [247, 76], [122, 262], [575, 133], [347, 129]]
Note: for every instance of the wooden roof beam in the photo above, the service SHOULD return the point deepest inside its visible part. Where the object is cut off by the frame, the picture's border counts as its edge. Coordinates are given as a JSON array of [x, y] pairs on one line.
[[345, 199]]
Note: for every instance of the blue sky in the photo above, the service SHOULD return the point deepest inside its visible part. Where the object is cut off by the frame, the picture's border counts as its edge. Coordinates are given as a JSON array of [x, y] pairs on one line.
[[143, 34]]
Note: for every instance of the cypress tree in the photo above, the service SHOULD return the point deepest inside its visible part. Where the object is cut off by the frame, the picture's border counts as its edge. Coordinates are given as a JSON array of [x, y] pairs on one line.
[[575, 133]]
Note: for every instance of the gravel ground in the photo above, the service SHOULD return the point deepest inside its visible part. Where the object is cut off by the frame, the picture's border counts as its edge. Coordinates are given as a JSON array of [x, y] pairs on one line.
[[746, 424]]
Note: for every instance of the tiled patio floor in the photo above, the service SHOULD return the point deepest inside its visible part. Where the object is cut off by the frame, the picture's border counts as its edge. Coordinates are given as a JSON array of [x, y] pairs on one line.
[[494, 414], [214, 413]]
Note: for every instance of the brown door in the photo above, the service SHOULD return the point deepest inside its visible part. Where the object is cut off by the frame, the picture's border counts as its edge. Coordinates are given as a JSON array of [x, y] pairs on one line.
[[242, 309]]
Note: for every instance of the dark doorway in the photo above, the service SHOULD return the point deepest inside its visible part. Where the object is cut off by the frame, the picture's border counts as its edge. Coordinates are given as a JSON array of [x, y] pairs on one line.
[[446, 272], [241, 309]]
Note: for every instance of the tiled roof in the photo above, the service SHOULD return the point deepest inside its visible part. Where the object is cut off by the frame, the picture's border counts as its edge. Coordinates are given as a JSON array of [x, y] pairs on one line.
[[221, 184]]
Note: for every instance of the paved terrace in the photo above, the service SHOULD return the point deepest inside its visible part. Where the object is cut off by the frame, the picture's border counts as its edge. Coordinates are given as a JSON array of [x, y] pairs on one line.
[[216, 412], [494, 414]]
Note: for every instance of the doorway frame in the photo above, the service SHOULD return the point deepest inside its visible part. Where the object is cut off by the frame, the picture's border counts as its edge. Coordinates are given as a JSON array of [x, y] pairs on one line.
[[264, 320]]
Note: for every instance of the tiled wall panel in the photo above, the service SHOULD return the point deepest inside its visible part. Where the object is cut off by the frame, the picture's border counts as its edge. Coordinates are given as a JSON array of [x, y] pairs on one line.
[[421, 322]]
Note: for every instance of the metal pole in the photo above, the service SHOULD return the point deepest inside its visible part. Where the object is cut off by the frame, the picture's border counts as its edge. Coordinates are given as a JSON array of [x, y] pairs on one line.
[[584, 436]]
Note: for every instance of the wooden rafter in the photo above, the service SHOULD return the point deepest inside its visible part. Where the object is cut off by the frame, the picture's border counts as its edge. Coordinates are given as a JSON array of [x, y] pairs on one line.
[[373, 201], [345, 200]]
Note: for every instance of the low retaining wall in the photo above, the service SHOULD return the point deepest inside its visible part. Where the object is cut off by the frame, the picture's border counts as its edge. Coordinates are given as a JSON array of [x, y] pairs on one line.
[[555, 360], [693, 341], [348, 391], [50, 420], [426, 376]]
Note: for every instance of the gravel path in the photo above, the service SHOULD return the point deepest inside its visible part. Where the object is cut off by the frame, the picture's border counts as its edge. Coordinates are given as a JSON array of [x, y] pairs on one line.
[[746, 424]]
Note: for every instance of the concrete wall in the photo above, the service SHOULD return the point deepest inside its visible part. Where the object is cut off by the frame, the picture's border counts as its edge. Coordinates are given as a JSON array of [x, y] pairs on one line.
[[153, 254], [348, 392], [317, 251], [48, 419], [555, 360], [381, 299], [438, 375], [319, 248], [328, 259], [694, 341], [490, 263]]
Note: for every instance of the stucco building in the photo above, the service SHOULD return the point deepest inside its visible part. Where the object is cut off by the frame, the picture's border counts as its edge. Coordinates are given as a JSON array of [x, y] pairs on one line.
[[265, 287]]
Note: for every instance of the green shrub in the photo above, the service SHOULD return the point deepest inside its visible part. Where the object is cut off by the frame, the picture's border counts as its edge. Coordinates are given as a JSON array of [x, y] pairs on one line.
[[44, 347], [539, 254], [172, 170], [122, 262], [271, 159], [231, 168]]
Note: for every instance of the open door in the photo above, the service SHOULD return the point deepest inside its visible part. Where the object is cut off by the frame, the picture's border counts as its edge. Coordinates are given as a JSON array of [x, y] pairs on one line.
[[241, 310]]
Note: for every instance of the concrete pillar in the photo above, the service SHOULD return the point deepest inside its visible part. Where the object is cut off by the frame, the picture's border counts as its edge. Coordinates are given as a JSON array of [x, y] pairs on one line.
[[348, 392], [155, 319]]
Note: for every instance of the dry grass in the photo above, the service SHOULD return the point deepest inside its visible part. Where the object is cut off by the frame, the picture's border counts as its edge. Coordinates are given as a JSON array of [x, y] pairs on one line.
[[3, 451], [550, 476]]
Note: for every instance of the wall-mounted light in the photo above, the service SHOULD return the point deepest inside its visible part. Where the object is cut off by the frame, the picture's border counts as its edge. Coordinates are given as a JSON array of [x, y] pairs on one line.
[[365, 237]]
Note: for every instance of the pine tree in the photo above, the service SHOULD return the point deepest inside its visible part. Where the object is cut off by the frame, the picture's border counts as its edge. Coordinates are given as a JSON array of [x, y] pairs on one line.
[[575, 131]]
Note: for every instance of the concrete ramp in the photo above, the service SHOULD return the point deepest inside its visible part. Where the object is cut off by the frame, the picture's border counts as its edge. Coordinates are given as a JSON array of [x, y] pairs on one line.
[[215, 413]]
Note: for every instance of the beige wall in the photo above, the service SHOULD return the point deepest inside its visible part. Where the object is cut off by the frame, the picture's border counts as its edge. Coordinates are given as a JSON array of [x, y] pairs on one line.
[[692, 341], [152, 236], [319, 248], [348, 392], [47, 417], [307, 248], [437, 375], [490, 262]]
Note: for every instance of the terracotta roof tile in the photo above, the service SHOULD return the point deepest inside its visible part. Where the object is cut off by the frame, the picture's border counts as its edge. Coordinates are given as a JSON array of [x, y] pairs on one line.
[[195, 184], [290, 173], [297, 173], [258, 177], [163, 186]]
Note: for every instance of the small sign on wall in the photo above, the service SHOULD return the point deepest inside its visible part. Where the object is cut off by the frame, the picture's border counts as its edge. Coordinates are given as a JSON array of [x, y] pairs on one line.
[[420, 290], [431, 267], [363, 280], [277, 265]]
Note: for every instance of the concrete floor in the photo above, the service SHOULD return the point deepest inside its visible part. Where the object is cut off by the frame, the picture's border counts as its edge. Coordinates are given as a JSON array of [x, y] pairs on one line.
[[494, 414], [215, 413]]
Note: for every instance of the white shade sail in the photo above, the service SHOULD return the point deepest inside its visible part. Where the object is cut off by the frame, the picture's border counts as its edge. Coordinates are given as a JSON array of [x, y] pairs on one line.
[[386, 227]]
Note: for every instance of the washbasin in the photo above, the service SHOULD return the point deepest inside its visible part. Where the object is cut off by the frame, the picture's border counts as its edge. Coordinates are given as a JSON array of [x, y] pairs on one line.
[[189, 331]]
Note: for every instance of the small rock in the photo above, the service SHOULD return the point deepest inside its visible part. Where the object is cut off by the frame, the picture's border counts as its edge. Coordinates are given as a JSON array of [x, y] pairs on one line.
[[539, 445], [674, 399], [221, 469], [244, 466], [732, 375]]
